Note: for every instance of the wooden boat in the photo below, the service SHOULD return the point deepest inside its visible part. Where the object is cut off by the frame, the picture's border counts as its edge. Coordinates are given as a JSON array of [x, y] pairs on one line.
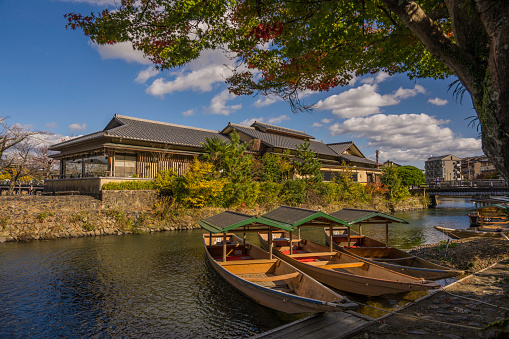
[[472, 232], [392, 258], [270, 282], [341, 270]]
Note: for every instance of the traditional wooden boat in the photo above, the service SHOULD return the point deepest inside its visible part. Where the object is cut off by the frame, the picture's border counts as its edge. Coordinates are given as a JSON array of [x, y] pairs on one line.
[[357, 244], [268, 281], [361, 246], [341, 270], [472, 232]]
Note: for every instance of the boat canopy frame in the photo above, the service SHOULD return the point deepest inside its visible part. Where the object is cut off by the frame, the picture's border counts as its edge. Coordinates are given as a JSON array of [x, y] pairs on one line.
[[359, 217], [230, 220], [302, 217]]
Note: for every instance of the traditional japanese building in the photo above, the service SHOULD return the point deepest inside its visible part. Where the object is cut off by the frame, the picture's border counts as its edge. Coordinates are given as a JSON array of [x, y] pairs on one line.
[[138, 148]]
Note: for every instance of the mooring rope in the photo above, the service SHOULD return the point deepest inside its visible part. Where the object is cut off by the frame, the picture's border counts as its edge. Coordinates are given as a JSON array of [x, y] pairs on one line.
[[480, 301]]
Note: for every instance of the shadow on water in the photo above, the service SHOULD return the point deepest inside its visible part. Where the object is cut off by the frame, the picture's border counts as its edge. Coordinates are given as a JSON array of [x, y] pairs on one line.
[[159, 284]]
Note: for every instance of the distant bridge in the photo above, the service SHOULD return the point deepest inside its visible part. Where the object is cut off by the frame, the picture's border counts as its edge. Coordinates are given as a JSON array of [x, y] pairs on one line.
[[468, 188]]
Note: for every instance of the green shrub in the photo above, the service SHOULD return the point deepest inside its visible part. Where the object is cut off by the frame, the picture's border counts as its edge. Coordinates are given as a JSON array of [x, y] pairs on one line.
[[239, 194], [294, 192], [165, 181], [270, 193], [133, 185]]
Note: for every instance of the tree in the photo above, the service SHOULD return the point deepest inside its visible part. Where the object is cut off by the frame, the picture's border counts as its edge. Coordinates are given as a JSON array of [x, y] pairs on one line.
[[12, 135], [390, 178], [410, 176], [275, 168], [318, 44], [229, 158], [306, 163]]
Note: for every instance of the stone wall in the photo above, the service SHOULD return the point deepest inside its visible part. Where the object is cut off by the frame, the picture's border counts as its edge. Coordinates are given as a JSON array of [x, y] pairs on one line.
[[24, 218]]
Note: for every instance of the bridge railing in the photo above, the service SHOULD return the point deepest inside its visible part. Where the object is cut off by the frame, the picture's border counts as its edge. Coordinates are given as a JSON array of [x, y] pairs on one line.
[[481, 183]]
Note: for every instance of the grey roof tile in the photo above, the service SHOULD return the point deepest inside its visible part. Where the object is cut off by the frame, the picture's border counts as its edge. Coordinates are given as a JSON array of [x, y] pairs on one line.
[[340, 147], [281, 141], [148, 130], [281, 129]]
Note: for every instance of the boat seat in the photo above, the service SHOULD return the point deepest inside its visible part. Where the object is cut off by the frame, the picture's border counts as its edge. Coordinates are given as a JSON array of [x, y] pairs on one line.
[[274, 278], [312, 254], [345, 265]]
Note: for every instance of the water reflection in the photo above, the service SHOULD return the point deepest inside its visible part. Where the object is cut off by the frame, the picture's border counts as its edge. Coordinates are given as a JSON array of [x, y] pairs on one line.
[[157, 285]]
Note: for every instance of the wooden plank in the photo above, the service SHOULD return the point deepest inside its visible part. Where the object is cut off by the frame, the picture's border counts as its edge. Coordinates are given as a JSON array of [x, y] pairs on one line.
[[275, 277], [246, 262], [311, 254], [346, 265]]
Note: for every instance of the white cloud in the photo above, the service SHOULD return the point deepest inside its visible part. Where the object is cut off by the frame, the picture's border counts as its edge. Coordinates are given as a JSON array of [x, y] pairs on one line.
[[438, 102], [317, 124], [249, 122], [218, 104], [326, 121], [264, 101], [121, 50], [277, 120], [188, 113], [199, 75], [408, 137], [364, 100], [77, 127], [322, 122], [51, 125], [146, 74]]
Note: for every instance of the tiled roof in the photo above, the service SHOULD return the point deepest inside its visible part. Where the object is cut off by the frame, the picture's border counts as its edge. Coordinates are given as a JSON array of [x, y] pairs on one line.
[[78, 140], [282, 130], [340, 147], [354, 158], [148, 130], [282, 141]]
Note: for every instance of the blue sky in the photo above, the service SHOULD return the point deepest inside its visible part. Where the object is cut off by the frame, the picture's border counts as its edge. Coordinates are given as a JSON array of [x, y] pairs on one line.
[[56, 80]]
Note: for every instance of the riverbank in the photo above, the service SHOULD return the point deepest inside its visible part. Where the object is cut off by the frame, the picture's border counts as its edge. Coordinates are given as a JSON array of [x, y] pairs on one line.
[[476, 306], [26, 218]]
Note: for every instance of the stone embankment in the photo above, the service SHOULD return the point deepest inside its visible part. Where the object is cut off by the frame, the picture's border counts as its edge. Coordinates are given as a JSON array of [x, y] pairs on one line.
[[25, 217], [476, 306]]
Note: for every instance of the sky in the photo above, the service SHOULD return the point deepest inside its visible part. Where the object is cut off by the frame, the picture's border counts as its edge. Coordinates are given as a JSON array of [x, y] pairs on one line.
[[56, 80]]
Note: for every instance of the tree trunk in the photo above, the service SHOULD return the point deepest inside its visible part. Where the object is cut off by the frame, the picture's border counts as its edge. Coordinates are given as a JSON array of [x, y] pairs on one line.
[[493, 105]]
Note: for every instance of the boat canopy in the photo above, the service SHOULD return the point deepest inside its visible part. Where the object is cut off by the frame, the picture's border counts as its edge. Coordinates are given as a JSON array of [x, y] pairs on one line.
[[229, 220], [354, 216], [297, 217]]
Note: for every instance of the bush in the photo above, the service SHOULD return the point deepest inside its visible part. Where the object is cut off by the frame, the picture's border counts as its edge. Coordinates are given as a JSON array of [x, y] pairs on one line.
[[294, 192], [130, 185], [237, 194], [200, 186], [165, 181], [270, 193]]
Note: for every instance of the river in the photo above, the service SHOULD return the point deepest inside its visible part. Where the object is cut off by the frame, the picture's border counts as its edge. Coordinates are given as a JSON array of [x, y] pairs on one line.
[[154, 285]]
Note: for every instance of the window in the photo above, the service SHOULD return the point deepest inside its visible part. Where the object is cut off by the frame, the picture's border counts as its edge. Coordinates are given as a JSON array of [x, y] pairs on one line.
[[125, 165]]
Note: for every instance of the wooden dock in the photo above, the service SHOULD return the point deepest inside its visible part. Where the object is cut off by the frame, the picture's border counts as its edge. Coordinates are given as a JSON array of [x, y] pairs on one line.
[[319, 326]]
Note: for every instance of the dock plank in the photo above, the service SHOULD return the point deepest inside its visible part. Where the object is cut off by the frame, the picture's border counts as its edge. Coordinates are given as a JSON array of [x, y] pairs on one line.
[[326, 325]]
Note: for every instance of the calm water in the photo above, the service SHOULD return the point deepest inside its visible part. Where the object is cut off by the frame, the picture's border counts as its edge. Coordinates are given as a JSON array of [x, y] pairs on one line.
[[153, 285]]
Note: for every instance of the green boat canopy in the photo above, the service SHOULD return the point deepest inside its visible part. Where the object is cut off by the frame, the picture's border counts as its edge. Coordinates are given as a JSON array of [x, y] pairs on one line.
[[297, 217], [354, 216], [228, 220]]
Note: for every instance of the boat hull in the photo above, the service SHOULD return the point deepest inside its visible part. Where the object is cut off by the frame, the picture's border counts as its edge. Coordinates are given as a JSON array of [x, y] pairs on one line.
[[370, 279], [469, 233], [399, 261], [281, 301]]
